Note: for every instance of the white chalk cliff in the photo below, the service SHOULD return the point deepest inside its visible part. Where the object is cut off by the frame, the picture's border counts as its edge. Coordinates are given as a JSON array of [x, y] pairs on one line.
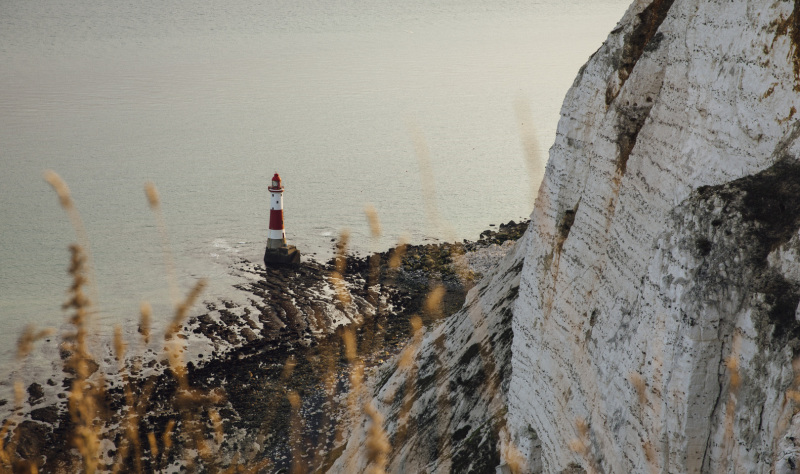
[[653, 301]]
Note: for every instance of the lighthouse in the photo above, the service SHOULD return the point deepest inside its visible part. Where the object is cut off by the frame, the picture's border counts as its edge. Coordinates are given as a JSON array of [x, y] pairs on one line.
[[277, 251]]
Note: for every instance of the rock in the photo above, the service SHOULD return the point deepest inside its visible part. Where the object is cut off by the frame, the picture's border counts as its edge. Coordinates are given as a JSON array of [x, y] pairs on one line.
[[248, 334], [32, 438], [48, 414], [91, 367], [35, 393]]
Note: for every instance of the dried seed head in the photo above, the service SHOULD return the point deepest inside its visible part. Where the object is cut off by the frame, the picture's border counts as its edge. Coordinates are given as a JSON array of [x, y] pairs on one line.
[[19, 393], [151, 438], [514, 458], [350, 349], [119, 344], [144, 326], [291, 362], [377, 444], [216, 420], [152, 195], [374, 223], [530, 144], [732, 363], [793, 395], [433, 303], [406, 358], [577, 446], [28, 338], [294, 399], [167, 438], [183, 309], [582, 427], [341, 251], [416, 324], [60, 187], [637, 381], [397, 255]]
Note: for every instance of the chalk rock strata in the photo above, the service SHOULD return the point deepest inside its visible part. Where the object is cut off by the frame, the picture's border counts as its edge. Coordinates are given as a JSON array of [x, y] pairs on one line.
[[656, 324], [656, 321], [445, 410]]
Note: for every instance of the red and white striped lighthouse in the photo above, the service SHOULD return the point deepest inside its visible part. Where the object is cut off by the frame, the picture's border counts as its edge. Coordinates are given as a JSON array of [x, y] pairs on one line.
[[277, 234], [278, 252]]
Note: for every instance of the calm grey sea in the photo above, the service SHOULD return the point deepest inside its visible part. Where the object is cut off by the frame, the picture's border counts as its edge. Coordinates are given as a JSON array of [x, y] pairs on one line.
[[208, 98]]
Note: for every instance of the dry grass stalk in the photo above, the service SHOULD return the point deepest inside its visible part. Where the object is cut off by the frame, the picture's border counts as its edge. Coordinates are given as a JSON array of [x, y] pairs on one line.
[[337, 276], [85, 396], [328, 354], [425, 173], [65, 199], [530, 144], [187, 400], [433, 302], [377, 444], [350, 345], [151, 439], [216, 421], [288, 368], [296, 434], [134, 408], [182, 309], [638, 383], [9, 460], [374, 222], [154, 201], [8, 453], [28, 339], [732, 364], [406, 363], [651, 456], [167, 436], [582, 445], [397, 254], [146, 313], [119, 347], [428, 182], [514, 459]]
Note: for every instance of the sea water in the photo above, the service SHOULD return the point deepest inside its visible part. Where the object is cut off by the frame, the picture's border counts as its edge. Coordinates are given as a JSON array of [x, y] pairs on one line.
[[411, 107]]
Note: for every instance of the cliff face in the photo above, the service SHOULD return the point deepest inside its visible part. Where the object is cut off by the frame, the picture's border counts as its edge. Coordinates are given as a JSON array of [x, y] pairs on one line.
[[655, 324], [444, 400]]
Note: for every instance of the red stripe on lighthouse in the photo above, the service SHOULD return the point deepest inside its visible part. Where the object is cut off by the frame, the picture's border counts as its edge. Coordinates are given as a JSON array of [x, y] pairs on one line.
[[275, 219]]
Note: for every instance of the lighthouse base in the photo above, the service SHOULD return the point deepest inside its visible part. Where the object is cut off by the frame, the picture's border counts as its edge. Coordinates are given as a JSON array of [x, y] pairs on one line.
[[286, 255]]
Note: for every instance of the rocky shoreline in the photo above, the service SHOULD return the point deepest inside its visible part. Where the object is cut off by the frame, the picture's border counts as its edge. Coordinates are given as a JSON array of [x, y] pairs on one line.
[[285, 346]]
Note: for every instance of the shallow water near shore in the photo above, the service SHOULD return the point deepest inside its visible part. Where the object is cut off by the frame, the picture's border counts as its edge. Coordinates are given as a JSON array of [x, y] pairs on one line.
[[208, 100]]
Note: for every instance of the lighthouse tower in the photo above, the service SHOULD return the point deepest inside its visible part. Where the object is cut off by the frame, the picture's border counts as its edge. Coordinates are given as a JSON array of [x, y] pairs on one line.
[[278, 252], [277, 234]]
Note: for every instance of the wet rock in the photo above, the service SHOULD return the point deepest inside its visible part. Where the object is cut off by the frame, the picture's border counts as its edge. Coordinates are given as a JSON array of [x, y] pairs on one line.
[[48, 414], [32, 438], [248, 334], [35, 393]]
